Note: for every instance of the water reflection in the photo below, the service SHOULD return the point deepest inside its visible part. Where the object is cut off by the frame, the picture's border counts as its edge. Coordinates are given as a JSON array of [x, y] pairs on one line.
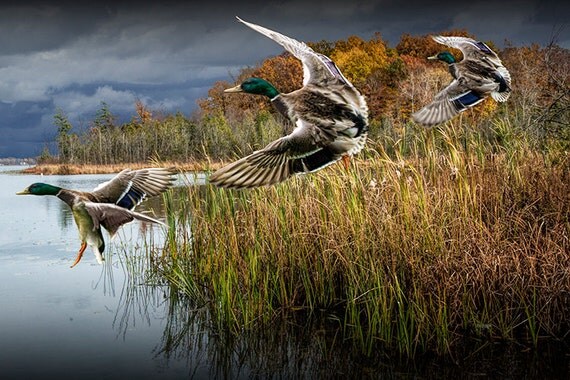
[[139, 299], [314, 348]]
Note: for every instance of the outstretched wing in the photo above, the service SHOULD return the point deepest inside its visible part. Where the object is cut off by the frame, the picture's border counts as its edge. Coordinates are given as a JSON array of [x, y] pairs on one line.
[[317, 68], [112, 216], [453, 99], [306, 149], [130, 187], [470, 48]]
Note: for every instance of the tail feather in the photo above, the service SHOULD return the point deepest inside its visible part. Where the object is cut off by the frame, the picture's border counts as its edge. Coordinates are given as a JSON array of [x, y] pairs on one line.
[[145, 218], [500, 96], [505, 74], [98, 253], [504, 90]]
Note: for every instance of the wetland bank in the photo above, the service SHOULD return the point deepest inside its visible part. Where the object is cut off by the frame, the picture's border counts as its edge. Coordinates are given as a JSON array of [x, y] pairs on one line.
[[443, 263]]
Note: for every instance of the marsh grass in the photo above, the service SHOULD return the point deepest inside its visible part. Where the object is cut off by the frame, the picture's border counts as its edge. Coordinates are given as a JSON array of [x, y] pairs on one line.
[[431, 235]]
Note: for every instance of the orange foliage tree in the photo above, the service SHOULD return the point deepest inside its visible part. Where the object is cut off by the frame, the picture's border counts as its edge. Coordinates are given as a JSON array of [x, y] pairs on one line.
[[358, 59], [284, 71]]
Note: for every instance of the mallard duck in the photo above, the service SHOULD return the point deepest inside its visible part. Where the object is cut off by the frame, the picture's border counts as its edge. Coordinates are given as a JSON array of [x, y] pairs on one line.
[[477, 76], [109, 205], [330, 117]]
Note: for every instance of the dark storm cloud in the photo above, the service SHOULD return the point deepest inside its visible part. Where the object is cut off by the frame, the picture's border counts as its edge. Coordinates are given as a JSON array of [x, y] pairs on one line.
[[73, 55], [21, 127], [43, 26]]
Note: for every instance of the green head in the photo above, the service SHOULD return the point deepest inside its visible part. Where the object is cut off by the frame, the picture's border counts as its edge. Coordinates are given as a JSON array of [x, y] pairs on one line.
[[40, 189], [255, 86], [444, 56]]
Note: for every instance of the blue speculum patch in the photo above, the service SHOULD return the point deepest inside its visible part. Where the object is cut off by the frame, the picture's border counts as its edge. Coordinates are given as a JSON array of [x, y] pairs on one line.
[[131, 199], [466, 100]]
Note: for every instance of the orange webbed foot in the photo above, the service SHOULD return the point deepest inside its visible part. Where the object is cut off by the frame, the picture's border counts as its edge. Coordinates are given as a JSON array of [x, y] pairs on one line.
[[79, 254]]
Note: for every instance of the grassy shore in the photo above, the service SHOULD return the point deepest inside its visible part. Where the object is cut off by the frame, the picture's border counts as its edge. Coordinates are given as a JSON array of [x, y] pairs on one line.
[[433, 235], [70, 169], [425, 240]]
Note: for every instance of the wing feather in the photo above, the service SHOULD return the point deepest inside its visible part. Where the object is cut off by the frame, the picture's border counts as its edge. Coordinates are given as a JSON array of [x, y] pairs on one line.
[[130, 187], [317, 68], [443, 107], [470, 48]]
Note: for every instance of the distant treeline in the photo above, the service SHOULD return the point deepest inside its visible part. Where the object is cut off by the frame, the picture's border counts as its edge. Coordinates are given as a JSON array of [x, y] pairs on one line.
[[395, 80], [17, 161]]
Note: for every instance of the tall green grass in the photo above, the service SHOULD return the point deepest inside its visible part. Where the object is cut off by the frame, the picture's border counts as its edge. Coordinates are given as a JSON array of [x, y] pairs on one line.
[[431, 235]]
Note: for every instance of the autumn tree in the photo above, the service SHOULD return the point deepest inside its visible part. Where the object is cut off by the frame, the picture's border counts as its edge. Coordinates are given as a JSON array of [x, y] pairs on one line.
[[541, 82], [215, 100], [323, 47], [358, 59], [284, 71], [143, 113], [417, 46]]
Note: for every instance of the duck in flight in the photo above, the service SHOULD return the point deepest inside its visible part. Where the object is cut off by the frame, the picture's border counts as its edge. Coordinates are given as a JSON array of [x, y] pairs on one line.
[[480, 74], [329, 113], [109, 205]]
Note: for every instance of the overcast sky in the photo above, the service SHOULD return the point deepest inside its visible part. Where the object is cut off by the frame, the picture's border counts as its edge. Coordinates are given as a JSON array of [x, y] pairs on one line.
[[73, 55]]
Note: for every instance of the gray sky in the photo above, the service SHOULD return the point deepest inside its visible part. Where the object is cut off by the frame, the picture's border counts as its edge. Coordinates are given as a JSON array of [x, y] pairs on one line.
[[73, 55]]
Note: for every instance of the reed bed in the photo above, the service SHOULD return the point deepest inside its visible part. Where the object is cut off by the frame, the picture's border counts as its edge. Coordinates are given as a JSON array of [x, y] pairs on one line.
[[429, 238]]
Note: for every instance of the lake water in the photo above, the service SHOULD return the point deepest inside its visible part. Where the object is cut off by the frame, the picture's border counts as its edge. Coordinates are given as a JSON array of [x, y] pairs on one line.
[[98, 322], [82, 321]]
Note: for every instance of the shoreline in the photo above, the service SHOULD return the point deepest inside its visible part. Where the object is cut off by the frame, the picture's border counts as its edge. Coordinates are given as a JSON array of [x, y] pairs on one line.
[[73, 169]]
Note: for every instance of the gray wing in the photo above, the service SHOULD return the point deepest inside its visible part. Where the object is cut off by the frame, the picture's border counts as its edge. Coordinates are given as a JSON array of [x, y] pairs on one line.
[[317, 68], [450, 101], [470, 48], [305, 150], [130, 187], [112, 216]]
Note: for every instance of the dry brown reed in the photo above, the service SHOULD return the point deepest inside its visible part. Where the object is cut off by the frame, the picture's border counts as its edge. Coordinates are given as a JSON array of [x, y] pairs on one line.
[[455, 237]]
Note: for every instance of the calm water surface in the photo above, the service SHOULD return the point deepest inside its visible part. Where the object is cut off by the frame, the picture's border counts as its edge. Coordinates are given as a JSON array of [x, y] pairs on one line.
[[99, 322], [79, 322]]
